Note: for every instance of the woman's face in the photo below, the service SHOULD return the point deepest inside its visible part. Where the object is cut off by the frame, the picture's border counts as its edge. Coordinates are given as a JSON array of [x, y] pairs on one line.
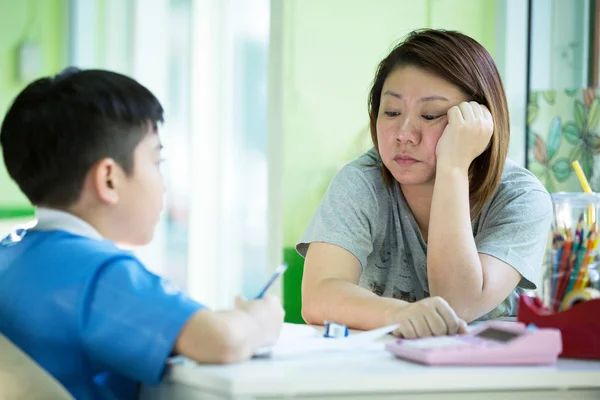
[[411, 119]]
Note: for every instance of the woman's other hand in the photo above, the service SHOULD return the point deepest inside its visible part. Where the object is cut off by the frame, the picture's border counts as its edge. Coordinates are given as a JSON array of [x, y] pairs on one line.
[[431, 316]]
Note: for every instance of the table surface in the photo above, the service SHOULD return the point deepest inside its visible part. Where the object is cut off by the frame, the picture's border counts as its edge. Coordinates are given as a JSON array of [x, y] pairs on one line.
[[373, 369]]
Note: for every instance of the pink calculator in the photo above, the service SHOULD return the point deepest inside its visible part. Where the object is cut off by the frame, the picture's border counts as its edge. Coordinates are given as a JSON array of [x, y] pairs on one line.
[[491, 343]]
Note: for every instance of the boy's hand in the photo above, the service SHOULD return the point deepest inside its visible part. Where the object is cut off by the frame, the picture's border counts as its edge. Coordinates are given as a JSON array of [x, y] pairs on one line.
[[267, 312], [467, 135], [431, 316]]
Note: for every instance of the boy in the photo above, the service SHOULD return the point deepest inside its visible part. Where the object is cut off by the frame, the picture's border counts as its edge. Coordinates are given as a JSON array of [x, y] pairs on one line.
[[84, 148]]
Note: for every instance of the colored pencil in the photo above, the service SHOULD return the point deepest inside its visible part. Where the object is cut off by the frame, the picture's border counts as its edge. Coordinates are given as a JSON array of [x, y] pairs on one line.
[[562, 271], [582, 258]]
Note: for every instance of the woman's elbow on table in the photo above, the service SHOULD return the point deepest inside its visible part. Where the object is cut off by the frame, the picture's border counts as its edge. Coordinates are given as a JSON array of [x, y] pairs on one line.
[[311, 310]]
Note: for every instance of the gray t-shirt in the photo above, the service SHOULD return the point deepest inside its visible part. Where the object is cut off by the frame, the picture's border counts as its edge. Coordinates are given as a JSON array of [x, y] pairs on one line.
[[374, 222]]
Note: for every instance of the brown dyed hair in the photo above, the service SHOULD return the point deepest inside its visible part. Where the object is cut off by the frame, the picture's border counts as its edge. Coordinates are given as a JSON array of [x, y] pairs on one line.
[[466, 64]]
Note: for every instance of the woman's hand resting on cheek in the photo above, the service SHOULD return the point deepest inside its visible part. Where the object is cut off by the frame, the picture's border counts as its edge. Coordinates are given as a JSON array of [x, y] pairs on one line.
[[467, 135], [431, 316]]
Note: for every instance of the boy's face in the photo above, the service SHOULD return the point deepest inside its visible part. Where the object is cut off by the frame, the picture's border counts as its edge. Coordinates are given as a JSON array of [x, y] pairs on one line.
[[141, 194]]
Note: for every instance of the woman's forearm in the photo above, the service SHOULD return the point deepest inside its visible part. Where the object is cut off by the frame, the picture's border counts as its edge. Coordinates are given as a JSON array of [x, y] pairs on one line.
[[347, 303], [453, 265]]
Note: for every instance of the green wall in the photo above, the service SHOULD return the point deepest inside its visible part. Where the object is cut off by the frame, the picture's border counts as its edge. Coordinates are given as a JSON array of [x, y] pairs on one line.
[[331, 51], [42, 22], [474, 18]]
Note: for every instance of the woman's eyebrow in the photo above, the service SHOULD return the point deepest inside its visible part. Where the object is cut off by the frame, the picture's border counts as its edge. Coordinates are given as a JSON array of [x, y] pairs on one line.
[[433, 98], [422, 99]]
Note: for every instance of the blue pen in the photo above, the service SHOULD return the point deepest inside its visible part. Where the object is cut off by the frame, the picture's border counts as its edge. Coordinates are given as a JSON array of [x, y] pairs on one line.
[[279, 271]]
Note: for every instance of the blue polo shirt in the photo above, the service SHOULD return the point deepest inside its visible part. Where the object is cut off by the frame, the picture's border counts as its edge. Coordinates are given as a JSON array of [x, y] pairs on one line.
[[88, 312]]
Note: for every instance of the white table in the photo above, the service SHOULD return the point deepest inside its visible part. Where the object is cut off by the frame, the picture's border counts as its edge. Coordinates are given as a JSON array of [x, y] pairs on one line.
[[375, 374]]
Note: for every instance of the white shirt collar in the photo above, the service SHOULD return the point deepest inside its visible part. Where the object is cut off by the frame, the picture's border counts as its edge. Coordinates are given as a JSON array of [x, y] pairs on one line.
[[50, 220]]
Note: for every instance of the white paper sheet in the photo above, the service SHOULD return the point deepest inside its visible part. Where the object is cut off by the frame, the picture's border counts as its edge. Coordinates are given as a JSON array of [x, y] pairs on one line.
[[296, 340]]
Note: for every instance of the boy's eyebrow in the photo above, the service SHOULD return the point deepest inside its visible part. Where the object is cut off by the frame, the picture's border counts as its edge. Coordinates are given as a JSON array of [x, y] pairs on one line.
[[422, 99]]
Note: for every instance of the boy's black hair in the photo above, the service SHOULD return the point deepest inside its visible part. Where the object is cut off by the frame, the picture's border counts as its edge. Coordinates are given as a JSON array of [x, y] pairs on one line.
[[59, 127]]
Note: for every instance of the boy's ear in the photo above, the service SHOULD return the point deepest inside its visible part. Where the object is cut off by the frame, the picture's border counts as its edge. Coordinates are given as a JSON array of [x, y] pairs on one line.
[[106, 179]]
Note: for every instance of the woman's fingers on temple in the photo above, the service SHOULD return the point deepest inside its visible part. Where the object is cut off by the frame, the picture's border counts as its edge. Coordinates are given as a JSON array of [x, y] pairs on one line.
[[487, 114], [477, 109], [454, 114], [467, 111]]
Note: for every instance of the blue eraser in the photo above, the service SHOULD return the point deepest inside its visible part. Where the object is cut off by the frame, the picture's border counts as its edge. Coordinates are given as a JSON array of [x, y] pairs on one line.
[[335, 330]]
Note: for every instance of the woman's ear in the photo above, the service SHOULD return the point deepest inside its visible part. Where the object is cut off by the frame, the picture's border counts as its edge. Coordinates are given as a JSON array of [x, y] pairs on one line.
[[106, 178]]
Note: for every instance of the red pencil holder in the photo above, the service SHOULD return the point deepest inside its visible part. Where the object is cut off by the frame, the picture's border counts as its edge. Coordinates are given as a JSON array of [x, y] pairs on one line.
[[579, 325]]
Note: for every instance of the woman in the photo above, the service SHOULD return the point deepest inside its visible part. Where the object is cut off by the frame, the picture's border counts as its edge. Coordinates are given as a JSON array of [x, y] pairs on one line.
[[433, 226]]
